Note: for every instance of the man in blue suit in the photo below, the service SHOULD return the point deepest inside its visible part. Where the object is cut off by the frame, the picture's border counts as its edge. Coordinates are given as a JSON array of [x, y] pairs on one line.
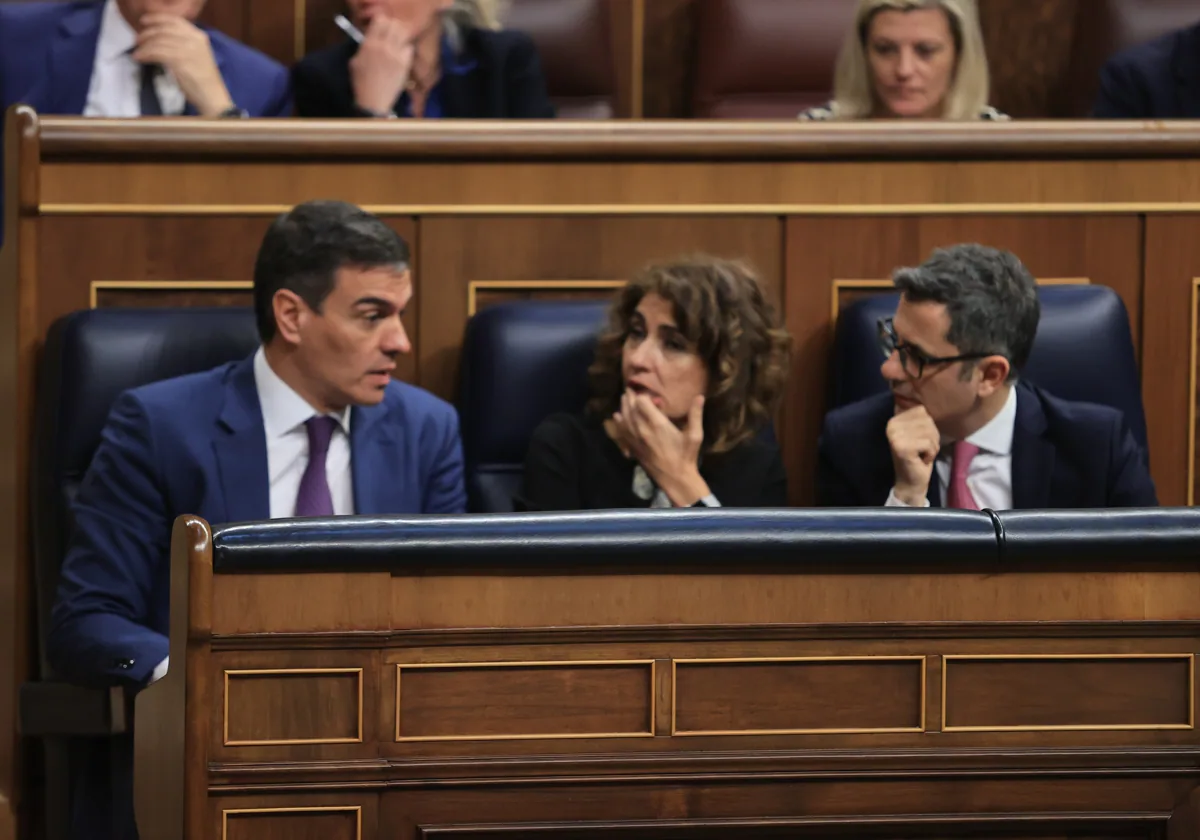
[[130, 58], [311, 425], [1158, 80], [957, 428]]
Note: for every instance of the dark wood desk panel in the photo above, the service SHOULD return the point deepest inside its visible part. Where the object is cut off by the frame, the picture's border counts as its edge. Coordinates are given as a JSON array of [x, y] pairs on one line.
[[721, 702]]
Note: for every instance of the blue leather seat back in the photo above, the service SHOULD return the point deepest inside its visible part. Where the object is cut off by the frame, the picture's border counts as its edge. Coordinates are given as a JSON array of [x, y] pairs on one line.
[[521, 362], [1083, 351], [89, 359]]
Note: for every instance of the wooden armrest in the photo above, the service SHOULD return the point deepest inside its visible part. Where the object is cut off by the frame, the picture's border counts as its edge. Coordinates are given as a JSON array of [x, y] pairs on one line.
[[51, 708]]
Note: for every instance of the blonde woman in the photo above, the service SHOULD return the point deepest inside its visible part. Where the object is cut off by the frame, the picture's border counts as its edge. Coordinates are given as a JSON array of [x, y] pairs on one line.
[[911, 59], [424, 59]]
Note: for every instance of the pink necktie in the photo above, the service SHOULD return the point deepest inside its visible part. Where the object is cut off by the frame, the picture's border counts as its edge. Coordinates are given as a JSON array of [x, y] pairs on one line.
[[959, 494]]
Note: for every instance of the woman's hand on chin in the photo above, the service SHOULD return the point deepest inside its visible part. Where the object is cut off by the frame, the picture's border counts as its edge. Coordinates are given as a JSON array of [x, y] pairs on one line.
[[669, 454]]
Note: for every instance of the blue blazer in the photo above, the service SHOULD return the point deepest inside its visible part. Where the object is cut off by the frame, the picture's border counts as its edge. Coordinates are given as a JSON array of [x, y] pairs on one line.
[[195, 444], [1157, 80], [1065, 455], [47, 51]]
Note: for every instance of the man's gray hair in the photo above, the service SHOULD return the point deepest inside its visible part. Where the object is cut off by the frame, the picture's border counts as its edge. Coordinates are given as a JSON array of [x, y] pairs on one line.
[[989, 294]]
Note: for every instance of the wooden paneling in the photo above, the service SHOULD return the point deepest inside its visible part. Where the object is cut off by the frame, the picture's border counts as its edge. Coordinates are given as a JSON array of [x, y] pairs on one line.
[[542, 700], [1168, 353], [1093, 692], [802, 696], [280, 706], [562, 250], [289, 823]]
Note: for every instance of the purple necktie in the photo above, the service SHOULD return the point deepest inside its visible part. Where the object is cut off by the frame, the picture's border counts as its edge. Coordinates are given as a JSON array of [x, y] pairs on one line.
[[314, 498]]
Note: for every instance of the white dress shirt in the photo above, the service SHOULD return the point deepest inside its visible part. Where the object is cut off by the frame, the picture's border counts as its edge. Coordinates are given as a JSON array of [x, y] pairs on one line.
[[115, 88], [990, 476], [284, 413]]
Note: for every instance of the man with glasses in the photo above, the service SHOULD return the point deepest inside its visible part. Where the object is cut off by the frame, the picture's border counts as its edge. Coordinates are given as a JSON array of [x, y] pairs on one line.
[[957, 428]]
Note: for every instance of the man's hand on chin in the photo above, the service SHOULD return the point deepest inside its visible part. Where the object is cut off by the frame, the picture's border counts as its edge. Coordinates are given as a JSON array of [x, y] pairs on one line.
[[184, 48]]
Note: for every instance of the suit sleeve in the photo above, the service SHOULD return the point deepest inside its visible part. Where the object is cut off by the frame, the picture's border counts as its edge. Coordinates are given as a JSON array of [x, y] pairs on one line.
[[551, 476], [445, 490], [834, 489], [1129, 483], [313, 96], [116, 562], [527, 94], [1122, 94], [279, 102]]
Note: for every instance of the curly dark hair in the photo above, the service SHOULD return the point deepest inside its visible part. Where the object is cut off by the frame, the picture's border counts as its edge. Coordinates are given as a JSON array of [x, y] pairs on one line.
[[720, 309]]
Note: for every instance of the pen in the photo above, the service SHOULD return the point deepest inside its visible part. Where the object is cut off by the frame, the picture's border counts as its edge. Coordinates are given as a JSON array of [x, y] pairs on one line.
[[349, 28]]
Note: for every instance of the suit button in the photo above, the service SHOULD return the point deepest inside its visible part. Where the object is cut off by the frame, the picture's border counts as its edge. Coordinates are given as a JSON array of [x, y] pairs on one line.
[[124, 664]]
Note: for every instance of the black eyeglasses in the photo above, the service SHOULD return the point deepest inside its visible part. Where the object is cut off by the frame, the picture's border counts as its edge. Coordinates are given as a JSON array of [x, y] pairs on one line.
[[911, 358]]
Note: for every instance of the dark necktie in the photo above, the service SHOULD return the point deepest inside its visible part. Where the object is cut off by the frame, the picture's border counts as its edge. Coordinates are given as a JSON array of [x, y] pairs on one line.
[[148, 96], [314, 498]]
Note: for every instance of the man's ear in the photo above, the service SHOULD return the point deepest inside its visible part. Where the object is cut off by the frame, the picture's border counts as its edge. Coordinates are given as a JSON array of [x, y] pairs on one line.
[[994, 372], [291, 314]]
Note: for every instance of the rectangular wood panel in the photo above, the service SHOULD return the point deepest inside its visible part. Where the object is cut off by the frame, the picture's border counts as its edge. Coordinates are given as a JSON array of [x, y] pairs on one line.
[[293, 706], [317, 823], [1029, 693], [524, 700], [754, 696]]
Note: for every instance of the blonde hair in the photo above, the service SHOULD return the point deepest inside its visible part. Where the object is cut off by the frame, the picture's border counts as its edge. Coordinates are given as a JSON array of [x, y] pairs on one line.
[[480, 14], [854, 91]]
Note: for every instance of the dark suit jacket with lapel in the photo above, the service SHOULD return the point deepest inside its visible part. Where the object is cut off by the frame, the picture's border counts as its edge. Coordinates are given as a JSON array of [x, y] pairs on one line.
[[1065, 455], [504, 81], [196, 444], [1156, 80], [47, 51]]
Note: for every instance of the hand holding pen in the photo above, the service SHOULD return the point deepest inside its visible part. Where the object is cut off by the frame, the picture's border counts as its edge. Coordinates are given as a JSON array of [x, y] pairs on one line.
[[380, 69]]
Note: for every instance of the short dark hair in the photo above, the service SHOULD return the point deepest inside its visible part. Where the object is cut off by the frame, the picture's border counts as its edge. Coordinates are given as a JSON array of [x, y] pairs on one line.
[[304, 248], [721, 310], [989, 294]]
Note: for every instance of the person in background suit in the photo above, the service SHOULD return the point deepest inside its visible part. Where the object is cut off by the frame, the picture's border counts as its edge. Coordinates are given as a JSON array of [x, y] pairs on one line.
[[312, 424], [689, 372], [131, 58], [424, 59], [957, 428], [1159, 80]]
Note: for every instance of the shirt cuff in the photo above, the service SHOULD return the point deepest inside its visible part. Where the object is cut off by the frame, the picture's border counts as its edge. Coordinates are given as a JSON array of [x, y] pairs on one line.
[[160, 671], [708, 501], [892, 501]]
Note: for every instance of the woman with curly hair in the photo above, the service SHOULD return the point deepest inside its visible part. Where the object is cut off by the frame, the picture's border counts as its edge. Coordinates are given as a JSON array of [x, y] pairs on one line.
[[689, 371]]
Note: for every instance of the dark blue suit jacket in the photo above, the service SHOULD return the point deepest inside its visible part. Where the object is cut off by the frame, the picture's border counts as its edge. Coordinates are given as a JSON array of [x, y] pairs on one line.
[[1156, 80], [1065, 455], [196, 444], [47, 51]]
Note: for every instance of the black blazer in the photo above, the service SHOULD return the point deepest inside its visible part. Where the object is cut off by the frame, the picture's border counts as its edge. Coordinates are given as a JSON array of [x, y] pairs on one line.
[[506, 81], [1065, 455], [574, 465], [1157, 80]]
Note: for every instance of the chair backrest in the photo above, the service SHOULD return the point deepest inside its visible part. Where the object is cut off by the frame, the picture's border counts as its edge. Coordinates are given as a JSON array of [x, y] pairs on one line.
[[1083, 351], [521, 362], [574, 42], [766, 59], [1105, 27], [89, 359]]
